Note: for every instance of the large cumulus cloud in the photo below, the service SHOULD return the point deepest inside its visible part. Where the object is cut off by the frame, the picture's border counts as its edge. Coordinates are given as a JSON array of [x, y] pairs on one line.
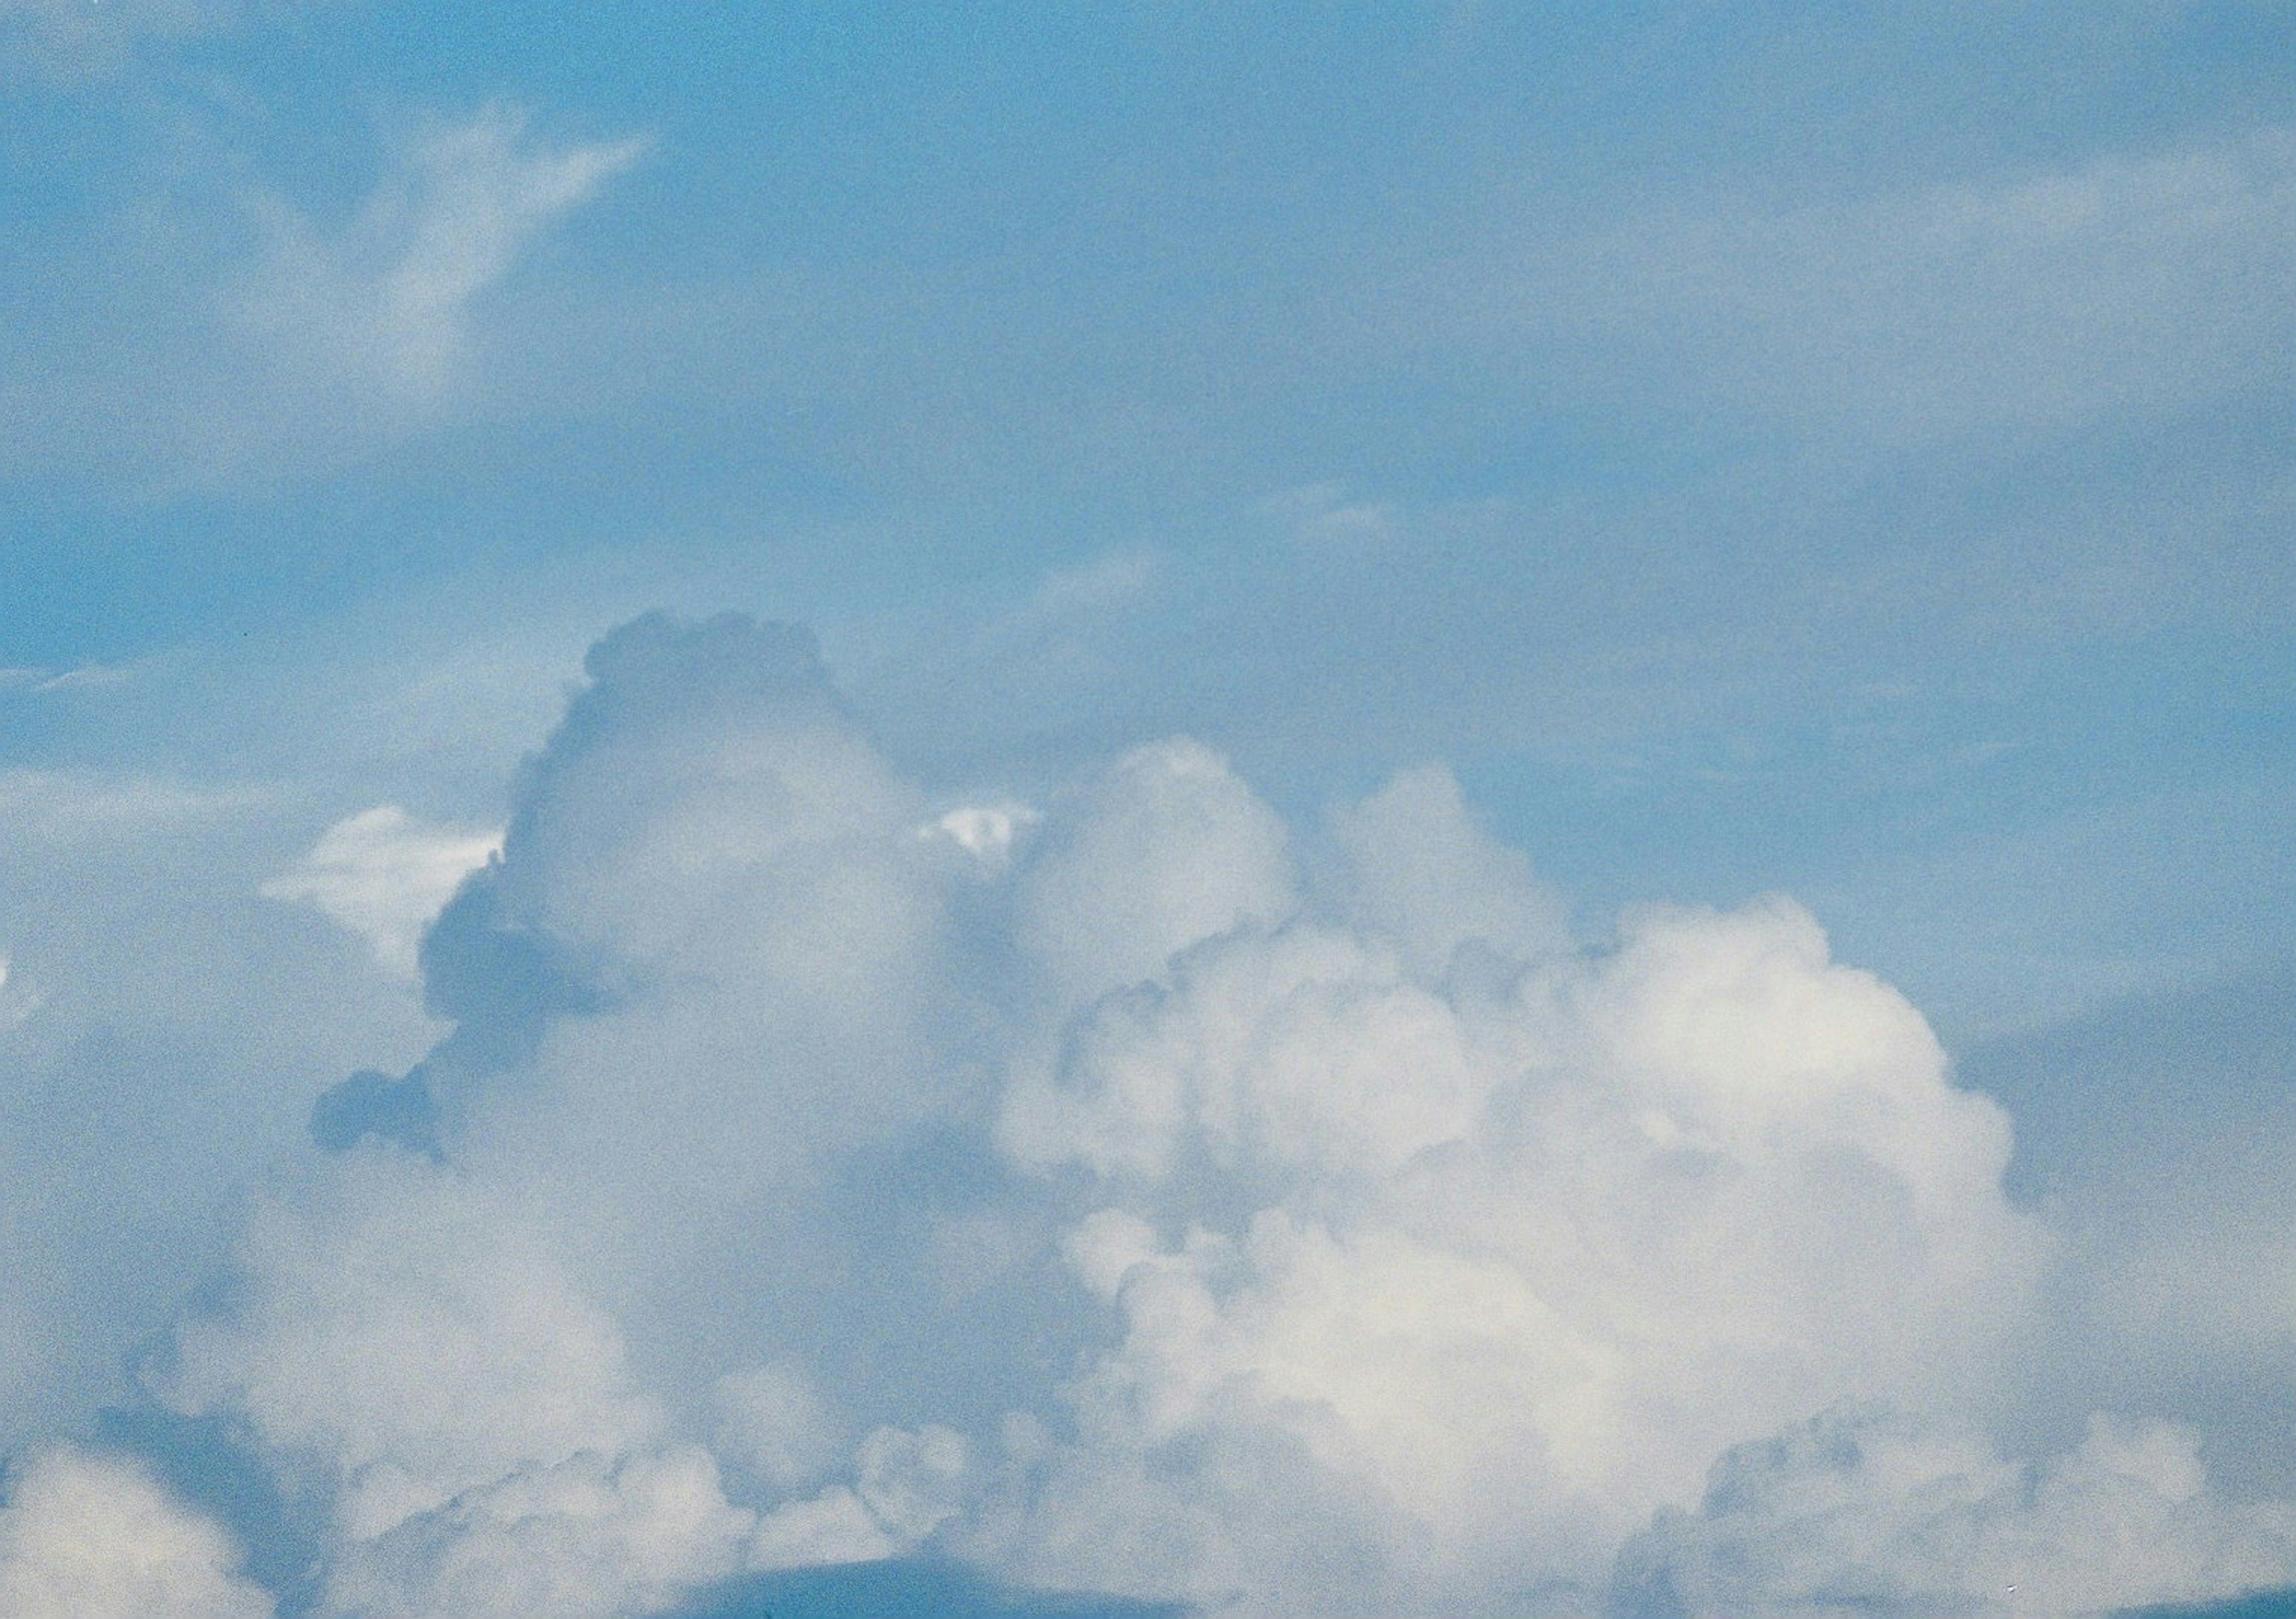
[[1135, 1192], [87, 1536]]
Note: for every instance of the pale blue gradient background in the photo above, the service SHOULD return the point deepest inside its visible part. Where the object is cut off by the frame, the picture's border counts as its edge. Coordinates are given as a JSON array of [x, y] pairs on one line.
[[1616, 402]]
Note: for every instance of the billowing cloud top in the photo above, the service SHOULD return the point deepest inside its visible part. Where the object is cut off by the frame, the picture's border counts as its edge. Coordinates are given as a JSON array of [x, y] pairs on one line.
[[1130, 1192]]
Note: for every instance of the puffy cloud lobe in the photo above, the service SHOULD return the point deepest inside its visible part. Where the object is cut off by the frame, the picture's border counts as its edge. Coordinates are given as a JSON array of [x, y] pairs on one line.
[[708, 807], [413, 1330], [86, 1536], [416, 1335], [1416, 869], [773, 1421], [1280, 1051], [714, 867], [1512, 1263], [1164, 849], [586, 1537], [1861, 1511]]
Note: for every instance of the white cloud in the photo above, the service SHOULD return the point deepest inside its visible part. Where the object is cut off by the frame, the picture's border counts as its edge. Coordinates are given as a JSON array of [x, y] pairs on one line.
[[385, 304], [1858, 1512], [64, 807], [412, 1330], [384, 875], [1164, 848], [70, 40], [2131, 287], [16, 1008], [773, 1420], [1418, 870], [225, 333], [911, 1483], [86, 1536], [1177, 1204], [1514, 1263], [986, 831], [831, 1528], [415, 1336], [80, 677], [586, 1537]]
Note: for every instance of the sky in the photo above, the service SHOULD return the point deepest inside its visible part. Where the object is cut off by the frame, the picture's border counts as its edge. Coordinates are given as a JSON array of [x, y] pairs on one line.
[[1147, 809]]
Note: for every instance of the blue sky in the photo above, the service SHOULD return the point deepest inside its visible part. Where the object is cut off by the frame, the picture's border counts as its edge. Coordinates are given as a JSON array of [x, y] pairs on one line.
[[1745, 450]]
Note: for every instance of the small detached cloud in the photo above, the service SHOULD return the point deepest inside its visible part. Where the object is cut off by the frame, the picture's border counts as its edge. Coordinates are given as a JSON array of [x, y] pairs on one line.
[[384, 875], [81, 677], [16, 1005]]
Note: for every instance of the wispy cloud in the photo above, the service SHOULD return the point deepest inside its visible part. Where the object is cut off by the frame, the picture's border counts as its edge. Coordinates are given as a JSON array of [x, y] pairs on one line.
[[383, 302], [237, 335], [79, 678], [2130, 287], [73, 41]]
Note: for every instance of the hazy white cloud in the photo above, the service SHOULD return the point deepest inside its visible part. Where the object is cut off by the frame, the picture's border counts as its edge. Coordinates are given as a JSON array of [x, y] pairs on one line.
[[2128, 288], [87, 1536], [15, 1005], [163, 1033], [80, 677], [1164, 848], [68, 807], [773, 1420], [1416, 869], [227, 334], [383, 304], [416, 1337], [74, 40], [832, 1527], [384, 875], [415, 1331]]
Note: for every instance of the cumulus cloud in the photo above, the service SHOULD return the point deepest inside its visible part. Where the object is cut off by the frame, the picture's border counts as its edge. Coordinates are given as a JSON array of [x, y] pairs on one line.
[[384, 875], [1861, 1511], [1164, 848], [1135, 1192], [1511, 1260], [587, 1538], [87, 1536], [413, 1330]]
